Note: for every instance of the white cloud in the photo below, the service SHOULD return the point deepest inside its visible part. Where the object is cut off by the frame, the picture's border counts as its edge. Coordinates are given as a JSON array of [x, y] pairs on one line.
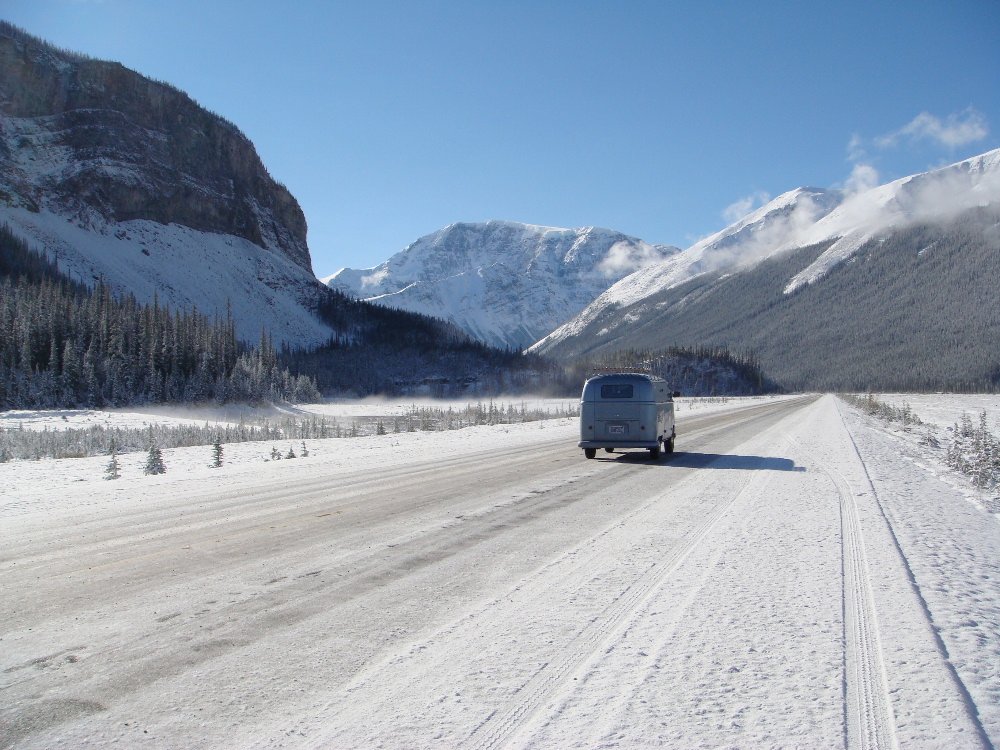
[[738, 209], [784, 226], [957, 129], [863, 177], [856, 148], [625, 257]]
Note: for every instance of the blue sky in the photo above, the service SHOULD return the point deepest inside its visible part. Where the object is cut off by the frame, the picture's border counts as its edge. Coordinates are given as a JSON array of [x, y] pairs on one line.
[[389, 120]]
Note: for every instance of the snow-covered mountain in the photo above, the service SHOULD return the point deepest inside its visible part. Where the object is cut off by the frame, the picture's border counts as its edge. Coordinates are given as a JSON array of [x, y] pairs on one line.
[[746, 241], [505, 283], [842, 220], [121, 177], [931, 196]]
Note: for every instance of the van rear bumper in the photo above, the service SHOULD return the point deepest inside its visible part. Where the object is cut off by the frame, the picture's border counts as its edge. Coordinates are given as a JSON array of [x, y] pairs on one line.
[[618, 444]]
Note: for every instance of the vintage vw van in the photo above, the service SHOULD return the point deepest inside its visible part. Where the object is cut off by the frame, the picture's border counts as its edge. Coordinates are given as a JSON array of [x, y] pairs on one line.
[[627, 410]]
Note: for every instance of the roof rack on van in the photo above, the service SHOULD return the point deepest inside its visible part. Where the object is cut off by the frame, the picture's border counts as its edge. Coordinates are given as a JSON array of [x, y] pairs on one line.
[[622, 370]]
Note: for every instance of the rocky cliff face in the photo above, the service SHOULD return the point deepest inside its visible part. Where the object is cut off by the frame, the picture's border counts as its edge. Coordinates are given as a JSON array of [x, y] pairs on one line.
[[82, 137]]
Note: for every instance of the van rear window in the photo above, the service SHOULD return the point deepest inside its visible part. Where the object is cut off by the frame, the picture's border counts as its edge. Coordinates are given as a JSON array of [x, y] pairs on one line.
[[619, 390]]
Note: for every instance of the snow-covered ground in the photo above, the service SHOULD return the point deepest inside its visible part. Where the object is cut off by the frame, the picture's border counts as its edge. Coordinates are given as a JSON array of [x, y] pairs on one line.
[[797, 575], [57, 419], [53, 483], [946, 409], [232, 414]]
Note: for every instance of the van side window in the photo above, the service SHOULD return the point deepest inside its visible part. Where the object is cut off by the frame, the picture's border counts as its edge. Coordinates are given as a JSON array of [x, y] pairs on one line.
[[619, 390]]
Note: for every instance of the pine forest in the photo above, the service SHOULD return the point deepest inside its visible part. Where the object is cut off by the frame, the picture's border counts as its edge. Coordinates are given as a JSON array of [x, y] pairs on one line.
[[62, 344]]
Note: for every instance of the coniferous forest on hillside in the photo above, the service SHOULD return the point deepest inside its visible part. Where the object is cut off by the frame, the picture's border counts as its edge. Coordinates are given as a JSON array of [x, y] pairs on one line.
[[63, 344]]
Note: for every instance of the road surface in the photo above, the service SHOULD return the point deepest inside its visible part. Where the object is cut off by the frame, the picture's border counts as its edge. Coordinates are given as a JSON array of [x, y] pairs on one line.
[[744, 591]]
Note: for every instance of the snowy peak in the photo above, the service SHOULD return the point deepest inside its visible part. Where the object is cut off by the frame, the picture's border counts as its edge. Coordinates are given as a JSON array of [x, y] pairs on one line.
[[503, 282], [749, 240]]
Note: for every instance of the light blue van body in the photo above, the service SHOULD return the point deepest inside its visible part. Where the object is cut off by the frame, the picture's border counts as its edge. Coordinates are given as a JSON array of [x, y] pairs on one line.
[[626, 410]]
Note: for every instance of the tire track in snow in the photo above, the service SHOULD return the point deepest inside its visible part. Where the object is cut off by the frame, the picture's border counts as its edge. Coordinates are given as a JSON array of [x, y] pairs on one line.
[[503, 723], [967, 702], [681, 606], [869, 720], [871, 724]]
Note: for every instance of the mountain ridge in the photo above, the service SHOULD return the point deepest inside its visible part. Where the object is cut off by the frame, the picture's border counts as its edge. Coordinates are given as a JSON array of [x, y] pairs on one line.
[[503, 282]]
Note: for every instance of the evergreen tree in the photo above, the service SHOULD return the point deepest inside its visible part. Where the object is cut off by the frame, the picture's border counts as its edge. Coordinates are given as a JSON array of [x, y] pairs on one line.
[[112, 470], [217, 454], [154, 460]]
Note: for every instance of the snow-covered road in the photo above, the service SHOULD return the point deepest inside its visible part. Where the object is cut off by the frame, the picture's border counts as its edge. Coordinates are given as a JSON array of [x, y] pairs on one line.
[[790, 578]]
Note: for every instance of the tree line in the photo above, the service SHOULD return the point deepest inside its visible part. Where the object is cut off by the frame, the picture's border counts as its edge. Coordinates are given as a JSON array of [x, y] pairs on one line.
[[692, 370]]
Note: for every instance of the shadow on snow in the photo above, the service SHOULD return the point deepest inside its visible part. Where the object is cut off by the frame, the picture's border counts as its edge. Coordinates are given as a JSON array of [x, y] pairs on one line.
[[686, 460]]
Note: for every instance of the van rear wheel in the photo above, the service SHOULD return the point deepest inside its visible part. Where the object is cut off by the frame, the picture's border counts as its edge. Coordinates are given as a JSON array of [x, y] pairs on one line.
[[654, 453], [590, 452]]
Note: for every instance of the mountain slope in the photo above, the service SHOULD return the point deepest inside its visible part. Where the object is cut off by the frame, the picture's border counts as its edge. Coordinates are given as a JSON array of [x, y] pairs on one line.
[[932, 196], [749, 240], [121, 177], [914, 309], [504, 283], [808, 305]]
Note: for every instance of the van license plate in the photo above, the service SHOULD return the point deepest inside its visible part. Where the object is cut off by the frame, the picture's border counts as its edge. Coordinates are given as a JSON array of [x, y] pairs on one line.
[[616, 429]]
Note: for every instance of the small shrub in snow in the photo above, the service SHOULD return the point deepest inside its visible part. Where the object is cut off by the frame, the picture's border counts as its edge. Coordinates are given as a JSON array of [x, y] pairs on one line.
[[113, 469], [975, 451], [291, 453], [217, 454], [875, 408], [275, 454], [305, 451], [929, 439]]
